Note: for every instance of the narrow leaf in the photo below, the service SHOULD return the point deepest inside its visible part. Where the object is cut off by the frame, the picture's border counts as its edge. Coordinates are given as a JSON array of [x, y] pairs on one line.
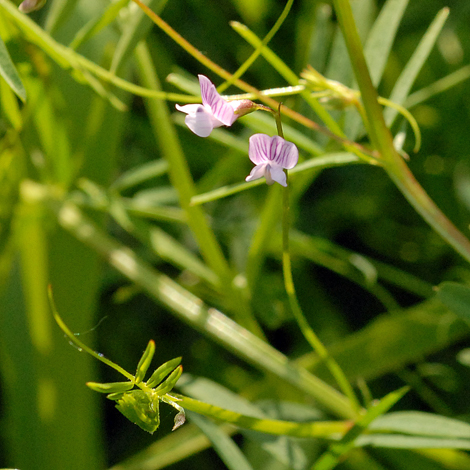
[[336, 451], [390, 342], [170, 382], [381, 37], [145, 361], [420, 423], [377, 50], [95, 25], [9, 73], [410, 72], [135, 29], [140, 174], [227, 450], [162, 372], [114, 387]]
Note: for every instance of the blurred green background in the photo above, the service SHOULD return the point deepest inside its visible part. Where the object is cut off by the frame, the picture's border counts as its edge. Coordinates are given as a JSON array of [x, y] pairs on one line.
[[66, 136]]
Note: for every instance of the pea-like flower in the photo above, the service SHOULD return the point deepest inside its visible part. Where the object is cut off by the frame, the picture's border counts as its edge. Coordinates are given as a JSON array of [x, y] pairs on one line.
[[214, 110], [271, 155]]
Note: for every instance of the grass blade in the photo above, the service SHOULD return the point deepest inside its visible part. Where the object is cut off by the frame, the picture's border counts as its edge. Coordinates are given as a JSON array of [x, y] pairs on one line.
[[410, 72], [9, 73]]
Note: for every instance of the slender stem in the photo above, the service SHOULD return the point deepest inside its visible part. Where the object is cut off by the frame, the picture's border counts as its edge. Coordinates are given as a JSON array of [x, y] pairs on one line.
[[381, 139], [304, 326], [323, 429], [182, 180], [244, 67], [82, 346], [271, 426], [296, 310], [192, 310]]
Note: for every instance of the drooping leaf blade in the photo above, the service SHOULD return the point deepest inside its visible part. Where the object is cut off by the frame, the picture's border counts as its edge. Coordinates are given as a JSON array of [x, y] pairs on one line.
[[9, 72]]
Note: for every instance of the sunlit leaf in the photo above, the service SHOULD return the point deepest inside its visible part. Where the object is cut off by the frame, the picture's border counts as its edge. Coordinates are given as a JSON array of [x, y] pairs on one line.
[[145, 361], [162, 372], [113, 387], [140, 409], [170, 382]]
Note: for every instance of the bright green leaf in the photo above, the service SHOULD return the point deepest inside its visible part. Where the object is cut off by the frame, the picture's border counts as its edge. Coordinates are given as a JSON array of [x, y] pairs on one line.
[[162, 372], [114, 387], [145, 361], [423, 424], [170, 382]]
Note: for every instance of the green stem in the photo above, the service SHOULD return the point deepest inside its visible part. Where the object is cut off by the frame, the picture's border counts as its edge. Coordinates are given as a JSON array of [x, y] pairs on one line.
[[323, 429], [316, 429], [221, 72], [381, 139], [193, 311], [304, 326], [244, 67], [182, 181]]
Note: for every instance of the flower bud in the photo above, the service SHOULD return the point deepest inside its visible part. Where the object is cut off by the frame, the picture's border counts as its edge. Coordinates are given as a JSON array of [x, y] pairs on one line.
[[31, 5]]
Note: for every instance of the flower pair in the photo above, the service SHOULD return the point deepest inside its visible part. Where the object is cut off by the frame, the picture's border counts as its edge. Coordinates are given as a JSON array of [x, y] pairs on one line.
[[271, 155]]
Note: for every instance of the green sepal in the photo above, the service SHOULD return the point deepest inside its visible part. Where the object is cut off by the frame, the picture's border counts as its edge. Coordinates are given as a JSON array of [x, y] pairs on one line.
[[140, 408], [170, 382], [162, 372], [145, 361], [114, 387]]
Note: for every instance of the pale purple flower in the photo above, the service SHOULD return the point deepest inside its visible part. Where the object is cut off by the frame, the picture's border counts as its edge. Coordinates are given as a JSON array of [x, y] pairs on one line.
[[271, 155], [214, 110]]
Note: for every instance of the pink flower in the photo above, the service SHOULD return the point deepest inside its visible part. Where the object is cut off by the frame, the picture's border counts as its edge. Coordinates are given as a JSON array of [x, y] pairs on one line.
[[213, 112], [271, 155]]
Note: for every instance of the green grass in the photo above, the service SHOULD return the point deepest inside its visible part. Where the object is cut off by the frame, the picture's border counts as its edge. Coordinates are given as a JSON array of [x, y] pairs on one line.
[[145, 231]]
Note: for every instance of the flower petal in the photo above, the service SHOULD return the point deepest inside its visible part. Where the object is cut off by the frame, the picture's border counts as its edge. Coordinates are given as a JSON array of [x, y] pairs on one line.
[[256, 172], [276, 174], [284, 153], [201, 122], [188, 108], [220, 108], [259, 148]]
